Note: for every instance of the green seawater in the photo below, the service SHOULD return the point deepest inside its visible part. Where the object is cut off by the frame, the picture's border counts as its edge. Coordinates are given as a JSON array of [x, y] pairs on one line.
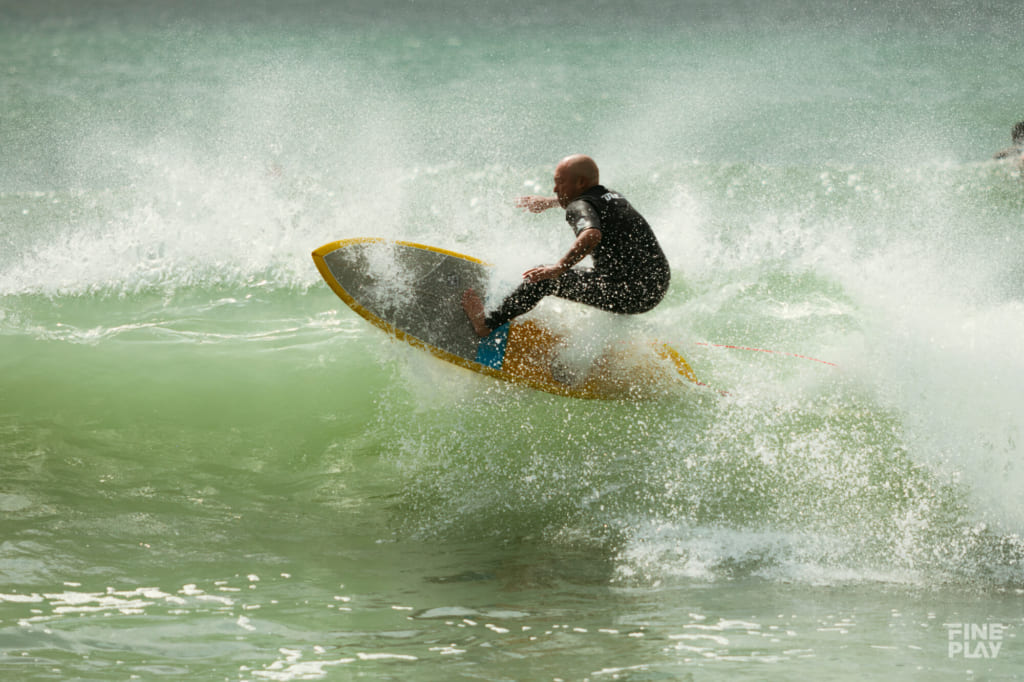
[[212, 469]]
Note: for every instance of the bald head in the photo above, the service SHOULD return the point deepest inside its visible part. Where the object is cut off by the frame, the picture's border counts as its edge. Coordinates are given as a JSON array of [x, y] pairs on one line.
[[574, 175]]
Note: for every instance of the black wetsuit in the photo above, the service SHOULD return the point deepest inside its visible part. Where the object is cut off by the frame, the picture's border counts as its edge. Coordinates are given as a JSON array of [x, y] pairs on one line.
[[630, 273]]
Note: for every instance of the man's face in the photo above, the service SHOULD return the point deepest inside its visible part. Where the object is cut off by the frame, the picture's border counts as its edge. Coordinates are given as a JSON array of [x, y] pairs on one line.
[[566, 186]]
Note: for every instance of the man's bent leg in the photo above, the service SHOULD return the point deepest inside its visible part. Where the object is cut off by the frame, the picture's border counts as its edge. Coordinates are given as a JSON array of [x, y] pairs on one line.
[[597, 290], [579, 285]]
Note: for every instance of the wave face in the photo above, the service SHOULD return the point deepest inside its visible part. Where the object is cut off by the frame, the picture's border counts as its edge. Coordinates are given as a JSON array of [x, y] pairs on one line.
[[904, 451]]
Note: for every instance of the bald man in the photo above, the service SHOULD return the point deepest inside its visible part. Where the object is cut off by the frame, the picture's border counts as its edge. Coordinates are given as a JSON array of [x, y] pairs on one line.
[[630, 273]]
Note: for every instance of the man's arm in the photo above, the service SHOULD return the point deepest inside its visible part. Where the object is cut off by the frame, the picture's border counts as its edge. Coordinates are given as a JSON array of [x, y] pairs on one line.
[[579, 250], [535, 204]]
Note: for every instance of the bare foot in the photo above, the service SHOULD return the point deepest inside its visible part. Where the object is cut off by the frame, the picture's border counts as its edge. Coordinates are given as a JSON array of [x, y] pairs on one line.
[[474, 308]]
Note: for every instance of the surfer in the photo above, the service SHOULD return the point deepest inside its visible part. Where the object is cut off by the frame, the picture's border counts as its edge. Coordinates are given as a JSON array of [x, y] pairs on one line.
[[1016, 150], [630, 273]]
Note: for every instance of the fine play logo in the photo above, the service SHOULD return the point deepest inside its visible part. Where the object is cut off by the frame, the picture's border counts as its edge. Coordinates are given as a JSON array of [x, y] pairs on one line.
[[975, 640]]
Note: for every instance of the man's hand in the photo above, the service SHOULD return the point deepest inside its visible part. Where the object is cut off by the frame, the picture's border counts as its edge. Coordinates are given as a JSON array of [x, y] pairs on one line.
[[543, 272], [535, 204]]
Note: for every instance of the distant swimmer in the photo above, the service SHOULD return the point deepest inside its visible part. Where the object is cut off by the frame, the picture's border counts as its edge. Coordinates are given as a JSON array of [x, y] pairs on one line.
[[1016, 150], [630, 273]]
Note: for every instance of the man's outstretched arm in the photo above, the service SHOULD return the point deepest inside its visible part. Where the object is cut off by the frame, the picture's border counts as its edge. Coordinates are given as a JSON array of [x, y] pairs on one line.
[[535, 204]]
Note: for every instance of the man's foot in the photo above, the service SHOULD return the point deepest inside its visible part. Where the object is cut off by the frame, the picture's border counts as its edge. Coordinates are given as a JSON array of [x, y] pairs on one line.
[[474, 308]]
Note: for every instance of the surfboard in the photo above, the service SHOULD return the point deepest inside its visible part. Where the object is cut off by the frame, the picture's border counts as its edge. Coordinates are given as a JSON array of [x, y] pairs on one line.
[[413, 292]]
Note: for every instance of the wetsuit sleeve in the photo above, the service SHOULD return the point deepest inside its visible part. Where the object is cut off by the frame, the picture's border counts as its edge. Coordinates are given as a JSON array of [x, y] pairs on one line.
[[582, 216]]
